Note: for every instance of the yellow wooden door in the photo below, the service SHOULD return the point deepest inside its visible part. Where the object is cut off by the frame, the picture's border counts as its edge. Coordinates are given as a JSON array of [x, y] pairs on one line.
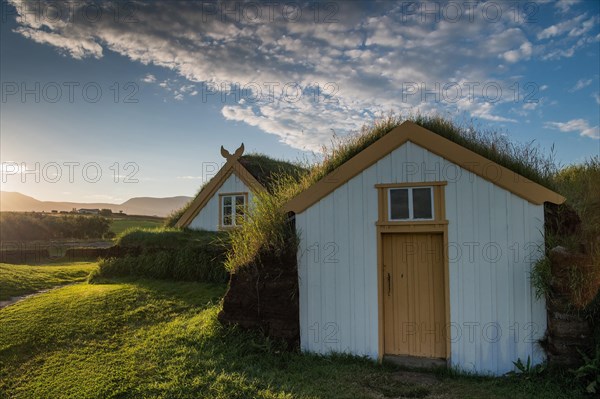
[[414, 295]]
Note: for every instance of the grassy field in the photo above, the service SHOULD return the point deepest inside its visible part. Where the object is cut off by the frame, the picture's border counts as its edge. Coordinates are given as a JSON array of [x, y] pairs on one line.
[[17, 280], [160, 339], [119, 225]]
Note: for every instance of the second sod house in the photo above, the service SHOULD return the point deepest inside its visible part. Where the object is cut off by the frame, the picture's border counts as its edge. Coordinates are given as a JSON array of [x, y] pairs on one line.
[[223, 202], [419, 250]]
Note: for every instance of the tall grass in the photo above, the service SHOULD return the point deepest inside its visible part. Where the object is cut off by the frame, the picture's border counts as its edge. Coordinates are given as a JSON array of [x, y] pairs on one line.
[[580, 184], [169, 253], [527, 159], [169, 237], [267, 227], [174, 216], [186, 264]]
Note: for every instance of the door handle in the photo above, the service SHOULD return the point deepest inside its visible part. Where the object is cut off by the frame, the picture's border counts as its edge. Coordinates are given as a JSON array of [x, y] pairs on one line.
[[389, 278]]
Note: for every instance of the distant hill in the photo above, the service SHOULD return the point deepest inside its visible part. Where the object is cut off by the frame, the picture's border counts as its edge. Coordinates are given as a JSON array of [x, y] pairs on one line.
[[17, 202]]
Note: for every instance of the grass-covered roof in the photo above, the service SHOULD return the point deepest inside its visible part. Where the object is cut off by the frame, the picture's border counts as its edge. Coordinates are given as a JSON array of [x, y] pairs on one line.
[[524, 159], [266, 169]]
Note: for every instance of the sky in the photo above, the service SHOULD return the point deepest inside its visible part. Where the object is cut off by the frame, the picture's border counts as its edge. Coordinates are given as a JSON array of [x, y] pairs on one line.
[[104, 101]]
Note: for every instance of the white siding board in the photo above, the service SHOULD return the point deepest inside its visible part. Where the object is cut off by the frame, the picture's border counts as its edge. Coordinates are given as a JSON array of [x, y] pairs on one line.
[[455, 282], [370, 264], [482, 291], [384, 169], [338, 254], [486, 287], [314, 280], [520, 312], [328, 288], [356, 262], [498, 229]]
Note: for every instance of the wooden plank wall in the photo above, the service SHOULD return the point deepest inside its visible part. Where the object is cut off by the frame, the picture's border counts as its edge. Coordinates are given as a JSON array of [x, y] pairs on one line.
[[494, 237]]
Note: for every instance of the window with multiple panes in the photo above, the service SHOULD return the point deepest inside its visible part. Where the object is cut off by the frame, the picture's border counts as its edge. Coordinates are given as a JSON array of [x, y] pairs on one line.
[[233, 209], [410, 203]]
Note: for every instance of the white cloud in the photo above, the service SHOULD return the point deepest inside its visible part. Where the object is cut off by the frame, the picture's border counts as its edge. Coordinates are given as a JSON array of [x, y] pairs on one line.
[[186, 88], [580, 126], [565, 5], [581, 83], [149, 78], [522, 53], [585, 27], [574, 27], [77, 47], [483, 110], [557, 54], [363, 62], [597, 98]]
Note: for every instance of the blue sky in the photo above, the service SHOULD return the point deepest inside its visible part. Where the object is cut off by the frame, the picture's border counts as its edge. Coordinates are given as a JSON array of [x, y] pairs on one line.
[[146, 92]]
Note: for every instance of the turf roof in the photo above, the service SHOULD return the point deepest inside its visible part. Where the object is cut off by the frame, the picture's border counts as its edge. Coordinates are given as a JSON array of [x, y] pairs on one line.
[[525, 160], [266, 169]]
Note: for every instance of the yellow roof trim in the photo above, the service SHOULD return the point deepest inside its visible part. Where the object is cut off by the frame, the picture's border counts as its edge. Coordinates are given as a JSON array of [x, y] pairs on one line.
[[455, 153], [233, 166]]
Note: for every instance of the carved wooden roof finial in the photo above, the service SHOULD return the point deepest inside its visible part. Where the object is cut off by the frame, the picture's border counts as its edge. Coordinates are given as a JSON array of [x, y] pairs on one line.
[[227, 155]]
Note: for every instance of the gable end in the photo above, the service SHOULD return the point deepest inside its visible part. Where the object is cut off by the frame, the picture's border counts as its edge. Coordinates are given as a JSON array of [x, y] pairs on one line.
[[231, 167], [455, 153]]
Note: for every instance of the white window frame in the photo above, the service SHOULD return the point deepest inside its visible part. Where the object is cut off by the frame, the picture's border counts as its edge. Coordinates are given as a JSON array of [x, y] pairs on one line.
[[410, 204], [234, 215]]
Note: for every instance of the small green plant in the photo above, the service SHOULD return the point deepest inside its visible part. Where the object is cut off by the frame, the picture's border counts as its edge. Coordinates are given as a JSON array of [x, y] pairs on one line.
[[589, 372], [527, 369], [541, 278]]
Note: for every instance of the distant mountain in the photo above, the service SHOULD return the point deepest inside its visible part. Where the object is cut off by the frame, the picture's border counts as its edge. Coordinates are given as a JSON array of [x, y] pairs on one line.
[[17, 202]]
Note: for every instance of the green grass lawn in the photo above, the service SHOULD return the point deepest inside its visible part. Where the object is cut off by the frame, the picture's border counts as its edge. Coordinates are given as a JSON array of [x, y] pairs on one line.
[[119, 225], [161, 339], [17, 280]]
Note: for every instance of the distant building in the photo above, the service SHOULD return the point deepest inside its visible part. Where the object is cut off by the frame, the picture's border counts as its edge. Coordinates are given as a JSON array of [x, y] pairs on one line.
[[85, 211]]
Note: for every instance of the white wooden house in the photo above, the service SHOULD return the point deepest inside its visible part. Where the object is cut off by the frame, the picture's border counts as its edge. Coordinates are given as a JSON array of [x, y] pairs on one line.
[[420, 249]]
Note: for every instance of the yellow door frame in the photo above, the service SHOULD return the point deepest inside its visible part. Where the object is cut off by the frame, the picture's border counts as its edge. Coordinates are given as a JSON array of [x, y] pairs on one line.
[[437, 225]]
